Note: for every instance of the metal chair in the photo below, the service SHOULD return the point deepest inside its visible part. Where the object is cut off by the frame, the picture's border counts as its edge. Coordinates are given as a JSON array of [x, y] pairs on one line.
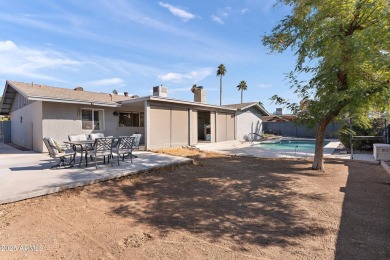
[[125, 146], [56, 152], [136, 141], [102, 148]]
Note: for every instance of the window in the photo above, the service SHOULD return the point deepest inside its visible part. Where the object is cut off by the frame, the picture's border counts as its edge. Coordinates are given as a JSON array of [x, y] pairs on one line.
[[92, 119], [131, 119]]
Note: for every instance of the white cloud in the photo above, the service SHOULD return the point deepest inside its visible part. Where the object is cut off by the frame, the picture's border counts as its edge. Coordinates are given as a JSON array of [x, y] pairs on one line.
[[262, 85], [27, 62], [184, 15], [245, 10], [193, 76], [111, 82], [217, 19]]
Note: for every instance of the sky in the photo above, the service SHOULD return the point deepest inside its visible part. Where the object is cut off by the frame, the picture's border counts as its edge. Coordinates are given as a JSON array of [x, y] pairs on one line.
[[131, 46]]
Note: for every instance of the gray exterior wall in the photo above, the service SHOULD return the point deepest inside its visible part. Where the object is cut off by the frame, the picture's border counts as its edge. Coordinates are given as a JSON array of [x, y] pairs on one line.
[[291, 129], [249, 121], [26, 124], [61, 119]]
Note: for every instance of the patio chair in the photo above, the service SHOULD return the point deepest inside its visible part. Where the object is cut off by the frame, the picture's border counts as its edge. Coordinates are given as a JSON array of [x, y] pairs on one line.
[[58, 152], [97, 135], [102, 148], [136, 142], [125, 146], [81, 137]]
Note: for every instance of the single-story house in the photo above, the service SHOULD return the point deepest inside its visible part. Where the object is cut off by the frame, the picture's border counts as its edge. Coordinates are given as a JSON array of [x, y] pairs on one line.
[[249, 120], [39, 111]]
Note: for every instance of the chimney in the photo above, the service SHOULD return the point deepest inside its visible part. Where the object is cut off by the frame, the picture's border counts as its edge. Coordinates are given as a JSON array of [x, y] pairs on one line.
[[200, 94], [110, 96], [126, 94], [160, 91], [279, 111], [79, 89]]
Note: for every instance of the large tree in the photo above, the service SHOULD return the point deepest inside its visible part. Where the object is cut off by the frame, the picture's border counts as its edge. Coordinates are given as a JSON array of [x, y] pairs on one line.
[[241, 87], [343, 46], [221, 72]]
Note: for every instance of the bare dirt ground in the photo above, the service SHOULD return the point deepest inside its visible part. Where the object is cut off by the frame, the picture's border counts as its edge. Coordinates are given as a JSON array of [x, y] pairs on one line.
[[219, 208]]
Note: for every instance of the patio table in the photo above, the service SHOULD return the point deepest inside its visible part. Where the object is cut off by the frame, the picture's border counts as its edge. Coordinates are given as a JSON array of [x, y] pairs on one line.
[[82, 145]]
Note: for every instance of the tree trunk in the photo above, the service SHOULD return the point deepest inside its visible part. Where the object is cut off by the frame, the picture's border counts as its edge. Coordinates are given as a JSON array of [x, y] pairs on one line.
[[220, 90], [241, 96], [318, 162]]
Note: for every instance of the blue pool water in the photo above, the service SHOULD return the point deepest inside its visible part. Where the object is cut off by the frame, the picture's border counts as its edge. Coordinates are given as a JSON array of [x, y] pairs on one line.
[[307, 145]]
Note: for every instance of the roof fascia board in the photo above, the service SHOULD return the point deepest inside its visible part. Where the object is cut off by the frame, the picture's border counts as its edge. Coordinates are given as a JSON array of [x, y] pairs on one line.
[[191, 103], [73, 102]]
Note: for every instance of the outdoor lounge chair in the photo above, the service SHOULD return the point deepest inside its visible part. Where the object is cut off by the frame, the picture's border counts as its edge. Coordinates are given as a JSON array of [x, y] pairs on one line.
[[125, 146], [61, 153], [102, 148]]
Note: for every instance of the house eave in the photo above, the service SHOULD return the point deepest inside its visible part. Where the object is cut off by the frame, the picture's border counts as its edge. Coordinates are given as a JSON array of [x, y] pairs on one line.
[[70, 101]]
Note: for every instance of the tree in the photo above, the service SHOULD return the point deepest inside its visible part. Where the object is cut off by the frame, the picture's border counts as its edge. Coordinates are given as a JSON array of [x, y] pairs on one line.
[[343, 46], [115, 92], [221, 72], [242, 86]]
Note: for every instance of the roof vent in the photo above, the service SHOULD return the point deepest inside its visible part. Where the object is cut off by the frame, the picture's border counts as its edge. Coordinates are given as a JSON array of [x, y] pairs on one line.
[[279, 111], [79, 89], [160, 91]]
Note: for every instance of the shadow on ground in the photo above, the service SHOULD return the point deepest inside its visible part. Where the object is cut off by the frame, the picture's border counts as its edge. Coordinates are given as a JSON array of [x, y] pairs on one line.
[[365, 223], [254, 204]]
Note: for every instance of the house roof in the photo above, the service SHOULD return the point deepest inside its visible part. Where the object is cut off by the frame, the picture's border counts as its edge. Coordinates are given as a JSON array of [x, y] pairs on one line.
[[280, 118], [41, 92], [177, 101], [244, 106]]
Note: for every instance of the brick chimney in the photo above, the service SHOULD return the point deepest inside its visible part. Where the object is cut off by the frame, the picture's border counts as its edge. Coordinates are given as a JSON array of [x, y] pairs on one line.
[[200, 94], [160, 91]]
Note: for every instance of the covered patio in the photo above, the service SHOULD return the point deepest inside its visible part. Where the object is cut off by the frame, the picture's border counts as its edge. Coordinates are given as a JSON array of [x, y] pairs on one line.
[[26, 174]]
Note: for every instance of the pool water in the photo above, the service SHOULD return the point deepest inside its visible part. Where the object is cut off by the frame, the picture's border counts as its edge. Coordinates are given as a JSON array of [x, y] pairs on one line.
[[307, 145]]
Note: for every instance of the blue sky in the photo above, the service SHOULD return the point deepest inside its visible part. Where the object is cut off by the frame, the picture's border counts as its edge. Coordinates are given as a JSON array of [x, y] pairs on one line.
[[132, 46]]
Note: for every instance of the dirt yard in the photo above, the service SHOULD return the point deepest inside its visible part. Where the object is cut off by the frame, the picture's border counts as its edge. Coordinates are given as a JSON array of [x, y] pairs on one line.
[[219, 208]]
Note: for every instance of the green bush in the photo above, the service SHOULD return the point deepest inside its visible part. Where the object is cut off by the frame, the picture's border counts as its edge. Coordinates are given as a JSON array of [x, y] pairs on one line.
[[376, 128]]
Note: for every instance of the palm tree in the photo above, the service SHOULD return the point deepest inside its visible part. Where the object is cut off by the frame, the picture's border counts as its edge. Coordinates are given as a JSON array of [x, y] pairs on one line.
[[242, 86], [221, 72]]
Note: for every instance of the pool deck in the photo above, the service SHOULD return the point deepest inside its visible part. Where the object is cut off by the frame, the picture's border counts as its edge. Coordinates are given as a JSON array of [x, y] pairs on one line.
[[239, 148]]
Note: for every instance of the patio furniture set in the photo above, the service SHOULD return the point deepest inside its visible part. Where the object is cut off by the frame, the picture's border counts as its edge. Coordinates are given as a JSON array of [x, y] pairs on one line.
[[94, 146]]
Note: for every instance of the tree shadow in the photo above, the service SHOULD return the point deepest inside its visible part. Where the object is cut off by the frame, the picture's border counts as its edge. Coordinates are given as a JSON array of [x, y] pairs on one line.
[[253, 204], [364, 231]]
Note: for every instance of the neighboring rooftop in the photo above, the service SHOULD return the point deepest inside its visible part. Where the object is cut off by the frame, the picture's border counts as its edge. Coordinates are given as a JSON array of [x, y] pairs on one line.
[[243, 106], [280, 118]]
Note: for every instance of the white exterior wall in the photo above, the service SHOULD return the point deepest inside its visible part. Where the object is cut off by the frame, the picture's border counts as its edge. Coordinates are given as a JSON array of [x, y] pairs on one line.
[[26, 126], [248, 121], [61, 120]]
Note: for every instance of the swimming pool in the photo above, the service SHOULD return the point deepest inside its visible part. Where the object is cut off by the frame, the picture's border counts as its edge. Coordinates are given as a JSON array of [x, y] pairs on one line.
[[299, 145]]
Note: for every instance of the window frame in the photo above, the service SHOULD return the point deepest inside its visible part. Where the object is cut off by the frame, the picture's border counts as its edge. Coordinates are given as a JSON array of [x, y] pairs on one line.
[[131, 119], [103, 125]]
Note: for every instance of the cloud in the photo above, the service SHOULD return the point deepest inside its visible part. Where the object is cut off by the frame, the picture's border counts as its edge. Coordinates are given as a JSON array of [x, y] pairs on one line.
[[193, 76], [217, 19], [111, 82], [245, 10], [27, 62], [262, 85], [184, 15]]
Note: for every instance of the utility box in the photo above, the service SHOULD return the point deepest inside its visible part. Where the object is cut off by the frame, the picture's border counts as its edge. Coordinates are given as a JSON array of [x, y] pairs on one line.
[[382, 152]]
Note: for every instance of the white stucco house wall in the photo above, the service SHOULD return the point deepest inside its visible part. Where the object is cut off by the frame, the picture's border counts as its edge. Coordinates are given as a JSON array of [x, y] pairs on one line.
[[39, 111], [249, 120]]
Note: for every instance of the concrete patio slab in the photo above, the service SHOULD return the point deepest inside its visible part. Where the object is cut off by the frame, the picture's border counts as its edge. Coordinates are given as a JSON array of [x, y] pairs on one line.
[[25, 175]]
